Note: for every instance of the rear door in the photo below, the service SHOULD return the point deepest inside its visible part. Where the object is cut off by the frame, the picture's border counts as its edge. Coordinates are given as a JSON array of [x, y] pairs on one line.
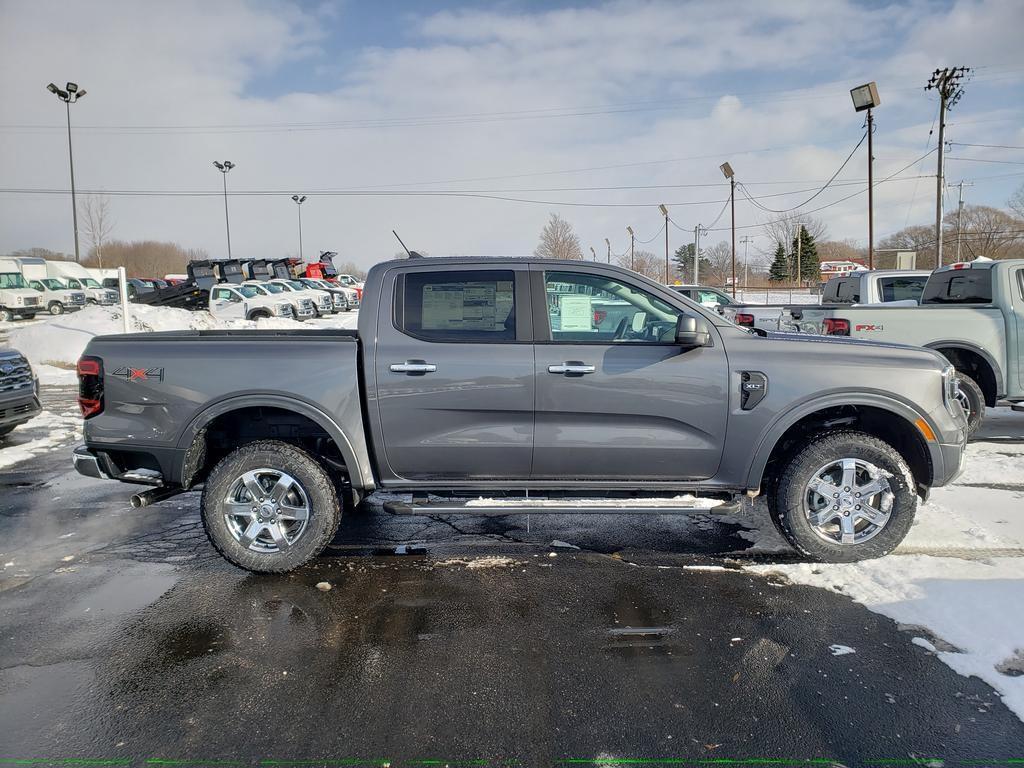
[[454, 373], [617, 399]]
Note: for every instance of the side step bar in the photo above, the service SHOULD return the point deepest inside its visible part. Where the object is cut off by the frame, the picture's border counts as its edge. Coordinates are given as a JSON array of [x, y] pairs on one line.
[[563, 507]]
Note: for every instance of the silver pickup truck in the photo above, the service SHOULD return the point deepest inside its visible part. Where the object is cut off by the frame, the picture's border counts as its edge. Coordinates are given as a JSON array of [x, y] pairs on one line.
[[502, 377], [971, 312]]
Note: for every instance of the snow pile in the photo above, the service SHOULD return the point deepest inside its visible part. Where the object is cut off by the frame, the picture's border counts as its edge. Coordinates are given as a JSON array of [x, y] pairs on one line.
[[61, 341], [44, 433]]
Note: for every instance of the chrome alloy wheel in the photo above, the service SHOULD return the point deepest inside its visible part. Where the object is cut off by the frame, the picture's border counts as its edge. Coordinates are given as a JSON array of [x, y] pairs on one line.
[[266, 510], [848, 501], [965, 402]]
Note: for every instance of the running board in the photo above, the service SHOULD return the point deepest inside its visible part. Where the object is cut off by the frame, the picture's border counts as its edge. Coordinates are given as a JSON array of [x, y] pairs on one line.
[[563, 507]]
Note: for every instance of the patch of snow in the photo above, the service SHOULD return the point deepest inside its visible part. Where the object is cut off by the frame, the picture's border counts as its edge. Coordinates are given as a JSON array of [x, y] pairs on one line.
[[43, 433], [841, 650], [478, 563]]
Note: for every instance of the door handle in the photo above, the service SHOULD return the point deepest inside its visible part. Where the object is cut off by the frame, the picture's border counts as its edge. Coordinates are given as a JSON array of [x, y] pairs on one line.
[[572, 368], [413, 367]]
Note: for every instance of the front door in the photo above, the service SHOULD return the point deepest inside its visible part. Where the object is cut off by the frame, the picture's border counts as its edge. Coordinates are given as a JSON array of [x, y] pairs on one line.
[[617, 399], [454, 374]]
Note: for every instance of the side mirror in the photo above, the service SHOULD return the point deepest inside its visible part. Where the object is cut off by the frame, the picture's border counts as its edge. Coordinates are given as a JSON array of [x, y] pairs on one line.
[[691, 333]]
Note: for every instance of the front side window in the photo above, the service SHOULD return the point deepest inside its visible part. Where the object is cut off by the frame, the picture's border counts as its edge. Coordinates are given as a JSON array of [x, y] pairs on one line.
[[222, 294], [711, 298], [249, 291], [471, 305], [585, 307], [901, 288]]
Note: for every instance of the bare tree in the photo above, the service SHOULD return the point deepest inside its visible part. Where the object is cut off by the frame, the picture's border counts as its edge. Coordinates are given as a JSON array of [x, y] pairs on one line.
[[841, 250], [719, 264], [558, 241], [985, 231], [97, 223], [644, 262], [349, 268], [919, 238], [782, 228], [146, 258], [1016, 202]]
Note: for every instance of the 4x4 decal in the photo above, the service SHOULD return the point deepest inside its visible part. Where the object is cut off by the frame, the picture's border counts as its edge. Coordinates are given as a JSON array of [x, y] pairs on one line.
[[139, 374]]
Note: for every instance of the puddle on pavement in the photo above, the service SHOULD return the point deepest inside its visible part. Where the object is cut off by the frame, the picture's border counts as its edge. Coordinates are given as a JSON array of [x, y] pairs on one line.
[[193, 641], [129, 590], [640, 625]]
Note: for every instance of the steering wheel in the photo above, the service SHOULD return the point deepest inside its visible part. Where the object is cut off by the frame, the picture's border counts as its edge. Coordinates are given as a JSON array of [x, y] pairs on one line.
[[620, 329]]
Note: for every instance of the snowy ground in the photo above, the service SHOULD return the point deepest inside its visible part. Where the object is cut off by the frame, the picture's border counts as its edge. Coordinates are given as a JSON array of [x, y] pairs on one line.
[[957, 581]]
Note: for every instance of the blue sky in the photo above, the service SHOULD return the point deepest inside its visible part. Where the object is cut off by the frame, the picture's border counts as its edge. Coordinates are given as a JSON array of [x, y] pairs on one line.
[[540, 102]]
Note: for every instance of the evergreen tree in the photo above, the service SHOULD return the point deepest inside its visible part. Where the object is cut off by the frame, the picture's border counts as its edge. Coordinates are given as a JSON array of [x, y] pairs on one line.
[[779, 271], [682, 261], [810, 267]]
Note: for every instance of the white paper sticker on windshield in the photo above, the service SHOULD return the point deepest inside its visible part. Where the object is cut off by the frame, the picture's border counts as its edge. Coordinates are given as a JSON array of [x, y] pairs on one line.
[[577, 314]]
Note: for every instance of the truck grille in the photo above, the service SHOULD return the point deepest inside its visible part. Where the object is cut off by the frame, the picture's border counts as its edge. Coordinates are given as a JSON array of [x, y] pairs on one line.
[[307, 304], [15, 373], [31, 301], [16, 410], [110, 297], [78, 299]]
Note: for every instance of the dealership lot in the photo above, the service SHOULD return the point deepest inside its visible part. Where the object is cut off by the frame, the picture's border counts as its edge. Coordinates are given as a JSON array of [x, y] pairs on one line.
[[558, 638]]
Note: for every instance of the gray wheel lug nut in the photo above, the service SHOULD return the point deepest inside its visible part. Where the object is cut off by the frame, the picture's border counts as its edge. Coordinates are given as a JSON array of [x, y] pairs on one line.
[[836, 507], [847, 489], [857, 507], [835, 495]]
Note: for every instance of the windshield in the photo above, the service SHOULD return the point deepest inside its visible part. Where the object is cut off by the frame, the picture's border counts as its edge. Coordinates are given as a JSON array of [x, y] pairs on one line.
[[53, 284], [12, 280], [273, 288], [88, 282], [296, 285], [250, 290]]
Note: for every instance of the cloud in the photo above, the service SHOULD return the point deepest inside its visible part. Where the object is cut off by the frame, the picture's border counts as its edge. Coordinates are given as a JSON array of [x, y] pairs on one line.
[[478, 94]]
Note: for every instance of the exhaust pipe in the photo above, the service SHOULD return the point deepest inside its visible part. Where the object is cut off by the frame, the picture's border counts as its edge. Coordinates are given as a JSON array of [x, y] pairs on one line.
[[152, 496]]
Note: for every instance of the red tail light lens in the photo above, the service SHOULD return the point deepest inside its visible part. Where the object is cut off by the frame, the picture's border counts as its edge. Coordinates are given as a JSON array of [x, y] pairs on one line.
[[90, 386], [742, 318], [836, 326]]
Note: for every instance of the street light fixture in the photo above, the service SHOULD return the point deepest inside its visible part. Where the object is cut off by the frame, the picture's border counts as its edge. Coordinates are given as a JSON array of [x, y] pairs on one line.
[[298, 203], [69, 96], [865, 97], [224, 168], [727, 171]]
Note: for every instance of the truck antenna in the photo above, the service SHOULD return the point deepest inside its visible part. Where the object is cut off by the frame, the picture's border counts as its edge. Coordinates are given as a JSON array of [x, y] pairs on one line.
[[412, 254]]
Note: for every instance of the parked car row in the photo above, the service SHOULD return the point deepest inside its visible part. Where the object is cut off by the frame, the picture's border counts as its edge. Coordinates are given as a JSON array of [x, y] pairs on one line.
[[29, 286]]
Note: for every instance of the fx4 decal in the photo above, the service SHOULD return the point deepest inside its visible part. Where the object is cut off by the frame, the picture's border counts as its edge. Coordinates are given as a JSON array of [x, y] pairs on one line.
[[139, 374], [861, 327]]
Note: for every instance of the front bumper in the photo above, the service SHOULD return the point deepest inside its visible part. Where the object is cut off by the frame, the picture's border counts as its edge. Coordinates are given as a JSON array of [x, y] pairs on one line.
[[17, 410]]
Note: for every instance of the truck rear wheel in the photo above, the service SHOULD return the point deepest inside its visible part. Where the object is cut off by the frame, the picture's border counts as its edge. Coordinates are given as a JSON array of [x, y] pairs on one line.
[[270, 507], [846, 496], [972, 400]]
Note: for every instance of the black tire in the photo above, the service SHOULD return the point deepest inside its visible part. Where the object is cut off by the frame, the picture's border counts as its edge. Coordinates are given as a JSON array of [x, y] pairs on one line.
[[324, 513], [6, 316], [4, 431], [787, 503], [259, 314], [56, 308], [975, 401]]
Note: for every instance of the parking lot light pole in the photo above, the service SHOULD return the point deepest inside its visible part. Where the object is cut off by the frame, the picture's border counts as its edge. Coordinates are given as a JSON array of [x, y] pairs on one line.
[[298, 203], [593, 253], [865, 97], [69, 94], [609, 244], [632, 245], [728, 173], [664, 212], [224, 168]]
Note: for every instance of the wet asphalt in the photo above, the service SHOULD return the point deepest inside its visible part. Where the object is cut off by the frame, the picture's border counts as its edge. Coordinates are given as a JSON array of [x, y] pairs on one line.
[[125, 639]]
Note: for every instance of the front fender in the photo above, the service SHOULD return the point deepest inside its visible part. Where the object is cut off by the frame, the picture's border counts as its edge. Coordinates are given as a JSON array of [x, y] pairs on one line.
[[774, 431], [356, 458]]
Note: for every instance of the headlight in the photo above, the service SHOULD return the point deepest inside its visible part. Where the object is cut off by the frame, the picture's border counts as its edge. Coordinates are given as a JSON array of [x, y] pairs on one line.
[[950, 389], [20, 299]]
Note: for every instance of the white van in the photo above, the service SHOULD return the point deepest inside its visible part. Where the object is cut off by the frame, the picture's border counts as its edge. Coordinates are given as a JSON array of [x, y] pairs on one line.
[[16, 298], [57, 297], [79, 278]]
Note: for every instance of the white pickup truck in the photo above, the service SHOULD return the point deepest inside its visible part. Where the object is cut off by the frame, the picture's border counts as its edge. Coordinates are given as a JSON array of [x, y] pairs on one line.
[[246, 302], [973, 313], [878, 286]]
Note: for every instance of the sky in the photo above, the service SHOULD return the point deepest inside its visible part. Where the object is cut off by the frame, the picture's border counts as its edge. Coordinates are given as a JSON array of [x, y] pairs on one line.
[[463, 126]]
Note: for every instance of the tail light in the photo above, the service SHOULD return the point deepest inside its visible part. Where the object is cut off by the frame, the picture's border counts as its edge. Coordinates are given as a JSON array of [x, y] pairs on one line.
[[836, 326], [90, 385], [744, 319], [599, 316]]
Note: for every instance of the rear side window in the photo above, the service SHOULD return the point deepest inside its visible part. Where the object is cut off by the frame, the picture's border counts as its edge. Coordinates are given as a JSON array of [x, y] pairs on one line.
[[959, 286], [471, 305], [901, 288], [848, 291]]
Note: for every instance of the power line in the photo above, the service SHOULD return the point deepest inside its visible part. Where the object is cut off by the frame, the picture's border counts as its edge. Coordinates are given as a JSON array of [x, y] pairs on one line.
[[991, 146], [984, 160]]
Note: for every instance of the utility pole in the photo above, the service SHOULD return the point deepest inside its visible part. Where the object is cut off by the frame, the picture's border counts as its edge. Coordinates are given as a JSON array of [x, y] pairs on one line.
[[632, 244], [799, 251], [70, 94], [746, 243], [960, 214], [664, 212], [871, 194], [727, 171], [609, 244], [948, 82]]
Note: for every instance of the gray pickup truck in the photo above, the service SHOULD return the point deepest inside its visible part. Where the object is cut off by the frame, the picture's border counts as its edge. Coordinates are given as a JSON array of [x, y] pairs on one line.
[[501, 378]]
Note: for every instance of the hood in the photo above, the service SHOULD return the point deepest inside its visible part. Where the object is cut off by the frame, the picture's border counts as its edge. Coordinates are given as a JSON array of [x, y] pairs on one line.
[[862, 349]]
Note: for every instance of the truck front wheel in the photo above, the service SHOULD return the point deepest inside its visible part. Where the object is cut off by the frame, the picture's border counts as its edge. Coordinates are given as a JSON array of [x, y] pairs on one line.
[[56, 308], [846, 496], [972, 400], [270, 507]]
